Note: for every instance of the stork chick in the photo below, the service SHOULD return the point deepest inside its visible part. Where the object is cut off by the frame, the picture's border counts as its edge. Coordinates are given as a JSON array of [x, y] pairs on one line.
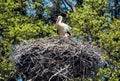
[[63, 30]]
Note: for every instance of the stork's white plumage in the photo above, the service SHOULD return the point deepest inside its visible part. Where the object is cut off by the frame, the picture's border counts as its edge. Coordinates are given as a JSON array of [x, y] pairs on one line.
[[62, 28]]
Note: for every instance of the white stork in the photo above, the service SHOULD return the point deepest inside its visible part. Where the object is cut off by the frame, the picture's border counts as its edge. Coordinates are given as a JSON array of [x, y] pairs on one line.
[[63, 29]]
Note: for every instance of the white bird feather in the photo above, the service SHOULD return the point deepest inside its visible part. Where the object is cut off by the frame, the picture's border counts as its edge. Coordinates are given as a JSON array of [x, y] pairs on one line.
[[62, 28]]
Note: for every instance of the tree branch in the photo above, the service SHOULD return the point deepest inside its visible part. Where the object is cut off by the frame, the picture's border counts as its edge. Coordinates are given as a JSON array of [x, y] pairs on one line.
[[57, 6], [71, 5]]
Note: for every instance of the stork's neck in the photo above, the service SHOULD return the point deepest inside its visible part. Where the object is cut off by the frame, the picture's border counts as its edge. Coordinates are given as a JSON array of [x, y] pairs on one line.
[[59, 21]]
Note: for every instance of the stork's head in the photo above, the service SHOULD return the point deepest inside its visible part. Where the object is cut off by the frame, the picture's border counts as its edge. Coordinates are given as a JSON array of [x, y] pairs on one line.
[[59, 19]]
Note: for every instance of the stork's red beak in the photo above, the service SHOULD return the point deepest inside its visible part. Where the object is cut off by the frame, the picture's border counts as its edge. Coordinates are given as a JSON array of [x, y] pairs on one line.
[[57, 21]]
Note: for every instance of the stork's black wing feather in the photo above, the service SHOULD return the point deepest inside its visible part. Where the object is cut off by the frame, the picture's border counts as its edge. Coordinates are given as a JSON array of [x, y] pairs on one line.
[[68, 32]]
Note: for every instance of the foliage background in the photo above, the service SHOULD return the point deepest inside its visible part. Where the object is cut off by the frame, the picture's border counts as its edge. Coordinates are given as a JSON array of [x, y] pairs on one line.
[[96, 21]]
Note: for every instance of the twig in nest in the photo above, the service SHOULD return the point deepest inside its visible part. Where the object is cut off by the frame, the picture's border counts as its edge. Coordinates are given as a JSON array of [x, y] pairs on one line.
[[57, 73]]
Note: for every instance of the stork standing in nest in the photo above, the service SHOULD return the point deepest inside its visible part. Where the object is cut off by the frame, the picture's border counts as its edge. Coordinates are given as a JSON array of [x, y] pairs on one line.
[[63, 29]]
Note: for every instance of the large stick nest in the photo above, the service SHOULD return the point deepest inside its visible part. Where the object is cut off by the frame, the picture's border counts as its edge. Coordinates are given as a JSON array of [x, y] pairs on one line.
[[52, 59]]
